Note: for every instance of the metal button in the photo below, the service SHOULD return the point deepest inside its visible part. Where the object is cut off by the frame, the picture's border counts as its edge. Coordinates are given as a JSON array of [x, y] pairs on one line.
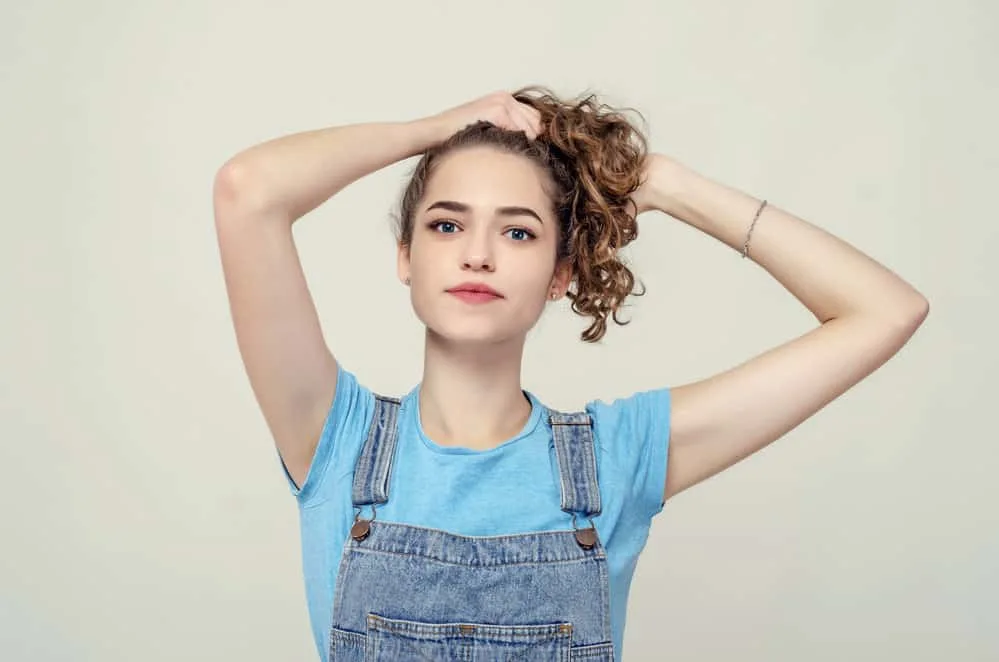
[[587, 538], [360, 530]]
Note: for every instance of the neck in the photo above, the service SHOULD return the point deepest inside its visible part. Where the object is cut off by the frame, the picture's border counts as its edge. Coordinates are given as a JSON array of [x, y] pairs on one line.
[[471, 395]]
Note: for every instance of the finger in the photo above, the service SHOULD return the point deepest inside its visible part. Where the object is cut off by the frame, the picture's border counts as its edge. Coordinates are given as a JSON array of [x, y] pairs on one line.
[[519, 118], [530, 119], [535, 120]]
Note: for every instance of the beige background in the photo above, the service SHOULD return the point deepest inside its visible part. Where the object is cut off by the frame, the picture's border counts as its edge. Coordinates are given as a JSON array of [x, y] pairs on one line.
[[144, 513]]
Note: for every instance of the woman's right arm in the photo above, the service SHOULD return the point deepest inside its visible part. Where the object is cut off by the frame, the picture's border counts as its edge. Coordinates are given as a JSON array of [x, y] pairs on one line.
[[258, 195]]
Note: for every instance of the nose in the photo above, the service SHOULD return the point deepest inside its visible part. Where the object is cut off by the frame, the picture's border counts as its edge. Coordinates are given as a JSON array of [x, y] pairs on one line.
[[478, 263], [478, 254]]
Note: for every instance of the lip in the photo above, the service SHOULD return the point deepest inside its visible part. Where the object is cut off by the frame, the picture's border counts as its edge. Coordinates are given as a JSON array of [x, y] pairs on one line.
[[474, 292]]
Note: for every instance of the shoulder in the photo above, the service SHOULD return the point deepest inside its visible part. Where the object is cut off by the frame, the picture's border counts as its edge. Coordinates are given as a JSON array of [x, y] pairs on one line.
[[632, 437], [343, 433], [644, 413]]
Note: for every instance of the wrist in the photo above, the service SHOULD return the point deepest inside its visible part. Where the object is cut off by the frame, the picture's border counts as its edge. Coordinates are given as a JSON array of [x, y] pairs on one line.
[[427, 132], [668, 180]]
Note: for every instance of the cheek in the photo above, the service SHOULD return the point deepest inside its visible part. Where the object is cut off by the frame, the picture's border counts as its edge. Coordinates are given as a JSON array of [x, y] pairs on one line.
[[524, 274], [530, 278], [531, 268], [424, 259], [531, 287]]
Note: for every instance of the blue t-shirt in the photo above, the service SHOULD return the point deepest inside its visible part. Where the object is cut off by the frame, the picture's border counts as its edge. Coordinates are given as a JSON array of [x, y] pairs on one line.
[[512, 488]]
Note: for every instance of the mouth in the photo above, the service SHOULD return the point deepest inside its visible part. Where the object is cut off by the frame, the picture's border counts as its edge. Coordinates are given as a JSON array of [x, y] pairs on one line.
[[475, 293]]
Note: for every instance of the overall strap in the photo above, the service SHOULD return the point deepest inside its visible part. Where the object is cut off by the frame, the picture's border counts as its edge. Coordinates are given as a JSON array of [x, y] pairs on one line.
[[577, 463], [374, 465]]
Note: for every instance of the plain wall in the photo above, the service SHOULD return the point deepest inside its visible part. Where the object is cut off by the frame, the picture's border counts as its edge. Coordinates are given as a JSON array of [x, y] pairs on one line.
[[144, 512]]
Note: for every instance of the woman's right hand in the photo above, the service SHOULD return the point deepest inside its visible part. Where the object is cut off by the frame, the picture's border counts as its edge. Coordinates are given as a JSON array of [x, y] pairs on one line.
[[499, 108]]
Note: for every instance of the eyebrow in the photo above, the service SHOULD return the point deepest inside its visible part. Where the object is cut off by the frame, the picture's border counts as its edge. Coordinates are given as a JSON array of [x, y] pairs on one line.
[[460, 207]]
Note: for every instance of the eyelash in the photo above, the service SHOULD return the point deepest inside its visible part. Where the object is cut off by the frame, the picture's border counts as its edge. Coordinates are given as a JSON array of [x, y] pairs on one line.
[[434, 225]]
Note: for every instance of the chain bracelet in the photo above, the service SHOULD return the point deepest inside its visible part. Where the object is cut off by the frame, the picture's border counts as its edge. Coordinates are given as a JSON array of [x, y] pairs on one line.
[[749, 234]]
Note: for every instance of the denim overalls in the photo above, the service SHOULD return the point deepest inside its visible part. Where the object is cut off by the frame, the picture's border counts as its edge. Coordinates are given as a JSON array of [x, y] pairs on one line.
[[406, 593]]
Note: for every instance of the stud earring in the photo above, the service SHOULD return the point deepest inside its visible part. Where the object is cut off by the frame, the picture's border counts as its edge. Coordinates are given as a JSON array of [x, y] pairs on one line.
[[407, 280]]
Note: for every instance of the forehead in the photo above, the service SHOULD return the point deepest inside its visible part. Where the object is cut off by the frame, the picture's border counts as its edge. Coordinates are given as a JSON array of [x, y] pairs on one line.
[[488, 177]]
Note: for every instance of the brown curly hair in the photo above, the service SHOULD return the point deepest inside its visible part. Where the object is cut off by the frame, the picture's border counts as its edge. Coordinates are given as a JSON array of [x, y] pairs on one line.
[[594, 156]]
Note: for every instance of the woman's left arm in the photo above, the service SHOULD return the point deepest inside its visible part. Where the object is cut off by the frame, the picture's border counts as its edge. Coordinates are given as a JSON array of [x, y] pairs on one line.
[[866, 314]]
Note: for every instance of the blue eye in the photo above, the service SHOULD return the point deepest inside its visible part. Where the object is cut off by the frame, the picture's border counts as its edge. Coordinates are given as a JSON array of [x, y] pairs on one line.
[[444, 227], [520, 234]]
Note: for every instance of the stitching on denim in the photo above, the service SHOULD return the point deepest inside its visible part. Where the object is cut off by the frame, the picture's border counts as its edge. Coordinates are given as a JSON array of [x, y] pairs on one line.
[[342, 570], [604, 572], [453, 630], [598, 551], [374, 464], [362, 468], [558, 436], [503, 536], [574, 442], [433, 559], [385, 449], [590, 461], [601, 651]]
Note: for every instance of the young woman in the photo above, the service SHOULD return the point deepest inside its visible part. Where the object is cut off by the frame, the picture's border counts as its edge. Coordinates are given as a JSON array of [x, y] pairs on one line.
[[466, 520]]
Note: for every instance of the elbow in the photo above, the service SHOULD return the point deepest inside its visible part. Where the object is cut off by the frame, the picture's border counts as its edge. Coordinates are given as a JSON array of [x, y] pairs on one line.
[[236, 190], [915, 312], [922, 309], [905, 309], [231, 184], [905, 318], [894, 322]]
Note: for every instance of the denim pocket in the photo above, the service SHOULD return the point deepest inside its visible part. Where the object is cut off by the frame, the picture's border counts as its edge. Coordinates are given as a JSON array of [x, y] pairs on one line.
[[390, 640], [346, 646], [595, 653]]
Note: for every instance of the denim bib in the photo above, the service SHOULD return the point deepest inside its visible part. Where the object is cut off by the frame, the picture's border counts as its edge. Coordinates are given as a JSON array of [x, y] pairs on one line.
[[407, 593]]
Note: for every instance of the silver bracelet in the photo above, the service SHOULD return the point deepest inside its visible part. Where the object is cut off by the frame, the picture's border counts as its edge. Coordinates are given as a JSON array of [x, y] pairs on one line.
[[745, 247]]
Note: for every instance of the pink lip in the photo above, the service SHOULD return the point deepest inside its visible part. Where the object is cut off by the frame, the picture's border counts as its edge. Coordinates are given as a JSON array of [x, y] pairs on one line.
[[475, 293]]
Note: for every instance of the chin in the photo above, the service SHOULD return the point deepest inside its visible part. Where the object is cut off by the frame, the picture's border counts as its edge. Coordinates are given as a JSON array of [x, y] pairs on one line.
[[473, 329], [474, 333], [475, 326]]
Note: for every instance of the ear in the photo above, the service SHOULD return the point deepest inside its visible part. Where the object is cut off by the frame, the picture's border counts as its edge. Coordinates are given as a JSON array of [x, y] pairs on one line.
[[561, 278], [402, 263]]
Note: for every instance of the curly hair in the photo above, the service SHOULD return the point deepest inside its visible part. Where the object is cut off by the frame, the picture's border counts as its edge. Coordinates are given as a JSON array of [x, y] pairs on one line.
[[594, 156]]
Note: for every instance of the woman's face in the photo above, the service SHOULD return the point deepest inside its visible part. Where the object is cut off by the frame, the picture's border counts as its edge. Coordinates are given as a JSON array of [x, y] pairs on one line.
[[485, 222]]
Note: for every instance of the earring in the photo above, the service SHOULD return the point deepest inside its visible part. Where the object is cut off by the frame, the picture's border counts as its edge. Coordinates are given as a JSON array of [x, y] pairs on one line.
[[407, 280], [554, 295]]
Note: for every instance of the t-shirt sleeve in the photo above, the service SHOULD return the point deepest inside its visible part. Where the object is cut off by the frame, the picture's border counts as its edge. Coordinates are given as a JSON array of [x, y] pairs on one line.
[[632, 438], [341, 438]]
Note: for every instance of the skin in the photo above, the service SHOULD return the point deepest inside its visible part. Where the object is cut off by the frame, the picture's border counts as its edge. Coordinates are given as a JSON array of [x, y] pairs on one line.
[[473, 352], [471, 387], [865, 314]]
